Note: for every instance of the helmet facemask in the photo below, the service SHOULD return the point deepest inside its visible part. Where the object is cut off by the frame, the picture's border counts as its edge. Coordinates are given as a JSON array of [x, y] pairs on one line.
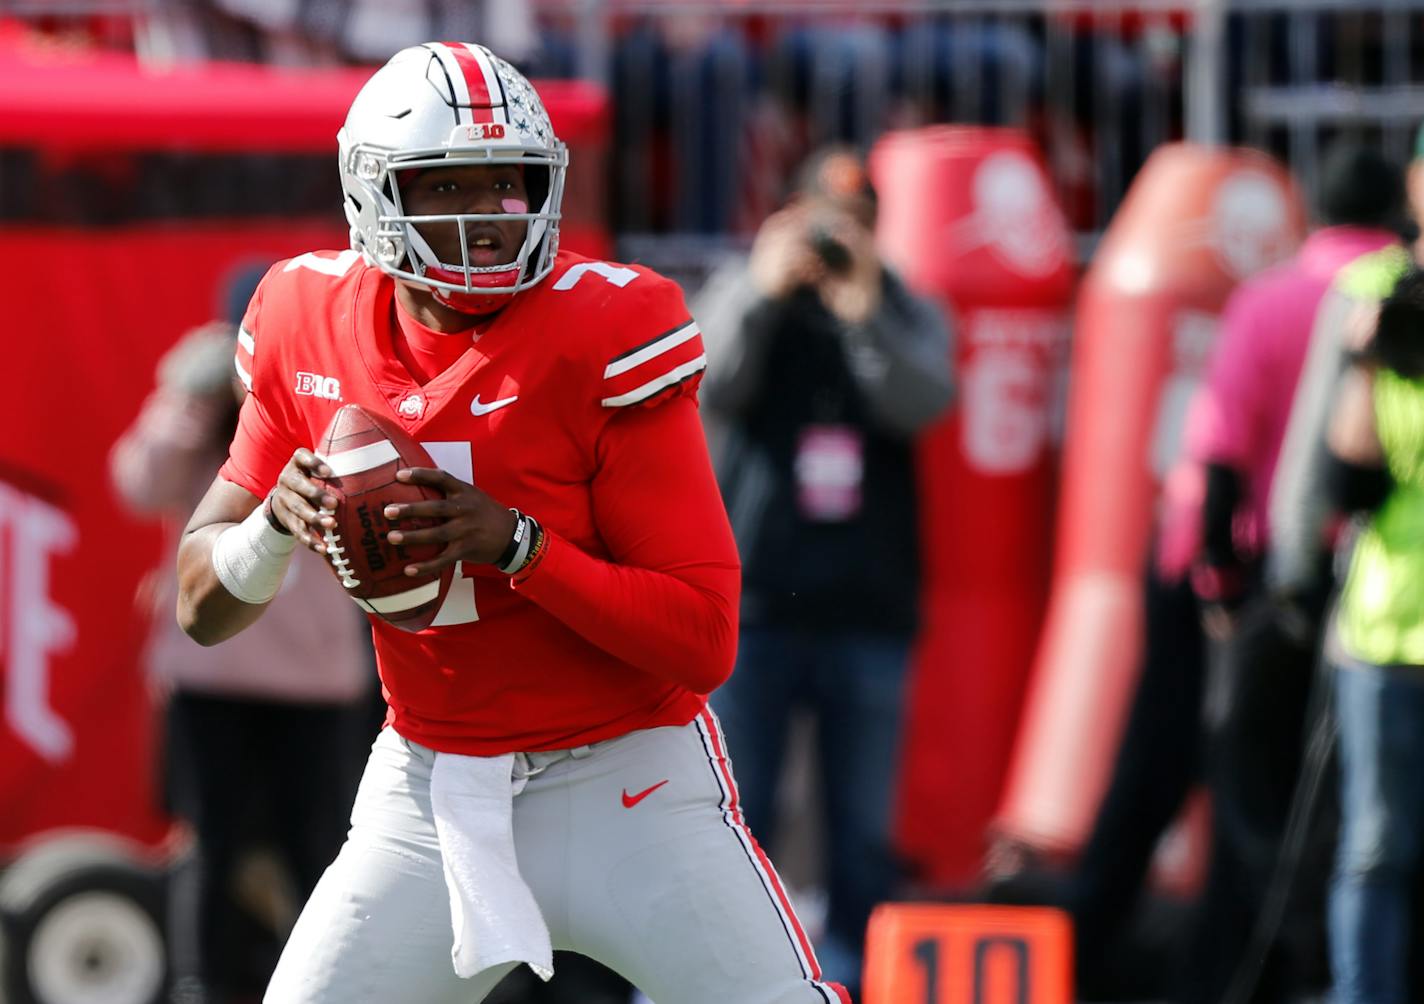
[[402, 252], [400, 123]]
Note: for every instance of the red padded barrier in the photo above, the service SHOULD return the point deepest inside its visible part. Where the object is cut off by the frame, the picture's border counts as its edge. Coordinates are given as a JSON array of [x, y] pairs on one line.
[[1196, 221], [968, 217]]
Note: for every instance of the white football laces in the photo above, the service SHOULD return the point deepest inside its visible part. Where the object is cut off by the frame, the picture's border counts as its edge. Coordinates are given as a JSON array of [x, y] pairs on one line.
[[335, 552]]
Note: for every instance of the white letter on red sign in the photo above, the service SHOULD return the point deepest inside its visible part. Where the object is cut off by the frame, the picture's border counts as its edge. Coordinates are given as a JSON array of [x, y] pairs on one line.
[[33, 627]]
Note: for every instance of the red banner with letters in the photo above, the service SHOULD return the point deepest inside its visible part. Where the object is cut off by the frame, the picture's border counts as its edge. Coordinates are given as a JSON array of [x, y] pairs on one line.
[[87, 315]]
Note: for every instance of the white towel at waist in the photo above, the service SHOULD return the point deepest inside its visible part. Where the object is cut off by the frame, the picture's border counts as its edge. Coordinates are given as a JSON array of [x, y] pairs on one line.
[[495, 916]]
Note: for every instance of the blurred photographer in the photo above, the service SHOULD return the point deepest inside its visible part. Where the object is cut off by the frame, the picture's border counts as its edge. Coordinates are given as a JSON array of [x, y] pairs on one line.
[[822, 367]]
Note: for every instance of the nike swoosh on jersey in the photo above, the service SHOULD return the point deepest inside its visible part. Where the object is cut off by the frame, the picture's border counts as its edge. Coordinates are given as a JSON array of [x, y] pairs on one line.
[[631, 800], [477, 407]]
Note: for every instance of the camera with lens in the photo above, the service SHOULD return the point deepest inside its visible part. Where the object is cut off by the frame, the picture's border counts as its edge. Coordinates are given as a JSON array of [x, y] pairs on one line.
[[1398, 341], [830, 249]]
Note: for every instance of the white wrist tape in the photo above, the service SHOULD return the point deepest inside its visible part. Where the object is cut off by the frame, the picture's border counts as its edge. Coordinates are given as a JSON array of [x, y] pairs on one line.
[[251, 558]]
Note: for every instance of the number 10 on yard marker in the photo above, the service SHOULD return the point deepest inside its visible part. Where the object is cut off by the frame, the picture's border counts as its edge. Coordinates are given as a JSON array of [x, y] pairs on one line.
[[921, 953]]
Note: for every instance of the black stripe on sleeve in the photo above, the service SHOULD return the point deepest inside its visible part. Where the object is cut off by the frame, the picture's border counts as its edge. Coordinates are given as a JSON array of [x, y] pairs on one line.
[[655, 394], [651, 341]]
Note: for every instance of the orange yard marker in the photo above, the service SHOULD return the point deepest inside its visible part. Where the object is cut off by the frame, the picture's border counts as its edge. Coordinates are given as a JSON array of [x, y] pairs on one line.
[[932, 953]]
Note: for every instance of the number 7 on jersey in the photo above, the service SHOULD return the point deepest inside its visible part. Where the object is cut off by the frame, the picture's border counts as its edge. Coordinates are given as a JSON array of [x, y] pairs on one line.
[[457, 460]]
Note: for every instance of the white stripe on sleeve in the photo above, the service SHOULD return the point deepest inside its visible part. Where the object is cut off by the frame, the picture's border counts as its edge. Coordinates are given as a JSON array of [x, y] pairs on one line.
[[669, 341], [650, 388]]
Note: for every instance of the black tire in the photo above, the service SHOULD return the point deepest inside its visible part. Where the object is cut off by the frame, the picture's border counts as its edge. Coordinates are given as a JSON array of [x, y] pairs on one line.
[[83, 924]]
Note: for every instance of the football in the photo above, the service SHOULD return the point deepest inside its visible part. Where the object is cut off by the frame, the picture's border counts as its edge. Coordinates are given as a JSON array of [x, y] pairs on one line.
[[364, 452]]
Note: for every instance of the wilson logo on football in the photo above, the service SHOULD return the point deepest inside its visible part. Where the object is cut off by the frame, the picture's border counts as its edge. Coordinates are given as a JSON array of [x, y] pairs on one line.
[[316, 385]]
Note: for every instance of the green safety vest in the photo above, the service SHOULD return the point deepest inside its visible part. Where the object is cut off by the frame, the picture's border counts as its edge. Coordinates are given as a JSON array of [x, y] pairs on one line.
[[1381, 617], [1372, 276]]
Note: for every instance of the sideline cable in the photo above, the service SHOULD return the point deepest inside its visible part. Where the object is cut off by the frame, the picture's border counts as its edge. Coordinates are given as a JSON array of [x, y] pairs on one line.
[[1321, 732]]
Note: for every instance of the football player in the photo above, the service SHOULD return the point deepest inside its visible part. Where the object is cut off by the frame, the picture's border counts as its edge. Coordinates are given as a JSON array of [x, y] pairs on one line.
[[594, 603]]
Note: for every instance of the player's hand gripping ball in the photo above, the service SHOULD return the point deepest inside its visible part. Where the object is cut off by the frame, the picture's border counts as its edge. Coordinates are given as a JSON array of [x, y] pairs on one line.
[[364, 452]]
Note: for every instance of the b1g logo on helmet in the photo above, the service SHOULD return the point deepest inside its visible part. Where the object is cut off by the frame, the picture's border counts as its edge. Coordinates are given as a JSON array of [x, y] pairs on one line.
[[315, 385], [482, 130]]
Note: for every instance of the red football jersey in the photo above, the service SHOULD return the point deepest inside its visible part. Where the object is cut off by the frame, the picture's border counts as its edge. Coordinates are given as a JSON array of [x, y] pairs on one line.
[[577, 405]]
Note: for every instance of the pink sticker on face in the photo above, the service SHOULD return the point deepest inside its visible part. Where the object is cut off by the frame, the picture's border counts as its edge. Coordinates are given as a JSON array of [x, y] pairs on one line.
[[514, 205]]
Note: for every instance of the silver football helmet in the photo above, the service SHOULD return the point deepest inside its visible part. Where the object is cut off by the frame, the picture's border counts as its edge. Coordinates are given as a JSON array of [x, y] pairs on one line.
[[437, 105]]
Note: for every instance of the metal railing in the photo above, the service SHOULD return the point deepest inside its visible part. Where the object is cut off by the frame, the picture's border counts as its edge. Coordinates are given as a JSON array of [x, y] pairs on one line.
[[716, 102]]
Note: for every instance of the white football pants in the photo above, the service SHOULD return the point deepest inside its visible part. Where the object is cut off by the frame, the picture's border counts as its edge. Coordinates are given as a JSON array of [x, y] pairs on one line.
[[672, 891]]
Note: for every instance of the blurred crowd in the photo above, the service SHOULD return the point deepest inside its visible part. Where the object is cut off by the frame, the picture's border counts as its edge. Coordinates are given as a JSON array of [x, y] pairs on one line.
[[1249, 664], [714, 105]]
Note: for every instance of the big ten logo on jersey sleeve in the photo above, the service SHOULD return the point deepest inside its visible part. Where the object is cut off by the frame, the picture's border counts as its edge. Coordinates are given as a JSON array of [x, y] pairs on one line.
[[288, 288], [316, 385], [295, 356]]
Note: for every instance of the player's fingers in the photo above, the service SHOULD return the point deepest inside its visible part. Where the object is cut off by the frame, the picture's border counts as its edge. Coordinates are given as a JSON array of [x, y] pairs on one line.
[[301, 520], [309, 506], [317, 518], [443, 533], [307, 460], [310, 463], [294, 478], [311, 539], [431, 478], [308, 525], [295, 481], [445, 558], [430, 508]]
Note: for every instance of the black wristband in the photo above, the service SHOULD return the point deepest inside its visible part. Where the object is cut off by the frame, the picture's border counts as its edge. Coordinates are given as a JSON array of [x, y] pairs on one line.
[[271, 516], [521, 527], [520, 558], [536, 541]]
